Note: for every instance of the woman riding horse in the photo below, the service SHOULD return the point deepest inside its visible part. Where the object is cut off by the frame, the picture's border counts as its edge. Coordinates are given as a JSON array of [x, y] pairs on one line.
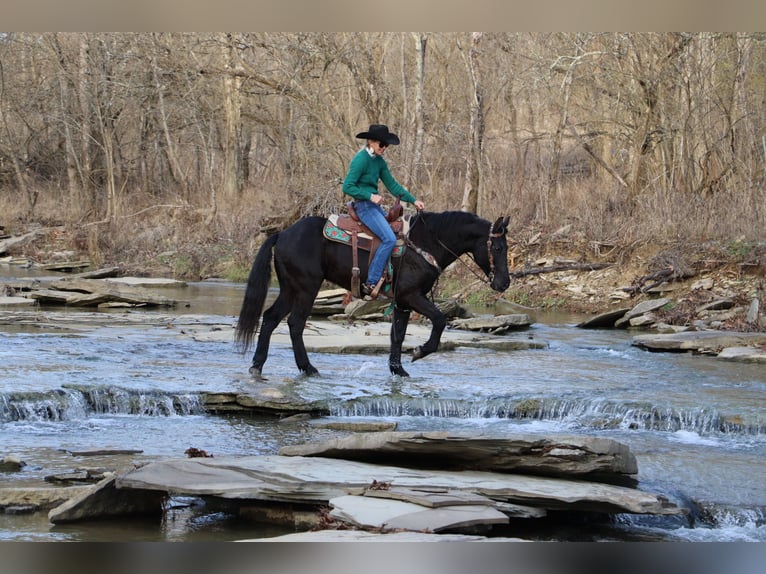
[[361, 184]]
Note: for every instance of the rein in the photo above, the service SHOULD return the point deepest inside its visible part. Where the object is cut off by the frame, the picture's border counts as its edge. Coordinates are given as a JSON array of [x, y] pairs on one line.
[[430, 258]]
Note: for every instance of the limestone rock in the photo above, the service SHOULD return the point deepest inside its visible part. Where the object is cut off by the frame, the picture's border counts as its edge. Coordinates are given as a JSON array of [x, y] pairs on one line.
[[39, 498], [365, 536], [698, 340], [743, 355], [497, 324], [603, 320], [103, 499], [532, 454], [640, 309], [395, 514], [315, 480]]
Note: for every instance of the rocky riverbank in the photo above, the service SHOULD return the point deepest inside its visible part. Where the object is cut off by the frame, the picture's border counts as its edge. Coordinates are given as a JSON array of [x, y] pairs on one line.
[[391, 482]]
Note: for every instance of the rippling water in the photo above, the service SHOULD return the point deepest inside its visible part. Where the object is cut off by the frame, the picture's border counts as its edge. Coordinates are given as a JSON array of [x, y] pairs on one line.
[[696, 425]]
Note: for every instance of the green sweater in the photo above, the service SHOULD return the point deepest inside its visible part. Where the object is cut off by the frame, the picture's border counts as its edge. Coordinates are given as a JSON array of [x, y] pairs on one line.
[[363, 175]]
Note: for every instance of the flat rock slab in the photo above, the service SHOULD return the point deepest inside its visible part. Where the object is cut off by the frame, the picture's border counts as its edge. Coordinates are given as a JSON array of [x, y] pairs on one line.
[[604, 320], [498, 324], [364, 536], [39, 498], [642, 308], [146, 282], [743, 354], [430, 498], [565, 455], [16, 302], [295, 479], [698, 340], [367, 512], [103, 499]]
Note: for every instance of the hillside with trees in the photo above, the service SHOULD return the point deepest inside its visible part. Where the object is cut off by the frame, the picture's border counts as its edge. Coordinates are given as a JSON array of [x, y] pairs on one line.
[[176, 152]]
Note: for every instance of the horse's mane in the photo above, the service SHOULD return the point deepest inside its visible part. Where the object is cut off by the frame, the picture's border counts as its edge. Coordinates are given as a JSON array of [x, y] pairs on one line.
[[449, 220]]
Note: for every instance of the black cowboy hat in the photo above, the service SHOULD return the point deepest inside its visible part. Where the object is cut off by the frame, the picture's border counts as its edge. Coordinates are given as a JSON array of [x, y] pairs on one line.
[[379, 133]]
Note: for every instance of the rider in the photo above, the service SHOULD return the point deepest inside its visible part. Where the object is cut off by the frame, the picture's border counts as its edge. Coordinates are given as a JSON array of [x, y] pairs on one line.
[[361, 183]]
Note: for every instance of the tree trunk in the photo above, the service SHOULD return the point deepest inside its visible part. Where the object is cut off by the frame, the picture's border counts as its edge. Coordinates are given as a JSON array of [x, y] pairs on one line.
[[420, 60], [231, 104], [86, 136], [170, 151], [475, 129]]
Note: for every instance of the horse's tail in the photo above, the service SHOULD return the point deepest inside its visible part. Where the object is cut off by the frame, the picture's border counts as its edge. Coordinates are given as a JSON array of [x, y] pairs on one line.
[[255, 295]]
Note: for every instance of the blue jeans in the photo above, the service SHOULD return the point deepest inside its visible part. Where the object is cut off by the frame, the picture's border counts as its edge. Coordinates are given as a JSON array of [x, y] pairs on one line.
[[374, 217]]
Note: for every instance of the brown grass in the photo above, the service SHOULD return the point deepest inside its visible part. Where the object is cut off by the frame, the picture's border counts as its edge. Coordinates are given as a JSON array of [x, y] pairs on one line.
[[185, 239]]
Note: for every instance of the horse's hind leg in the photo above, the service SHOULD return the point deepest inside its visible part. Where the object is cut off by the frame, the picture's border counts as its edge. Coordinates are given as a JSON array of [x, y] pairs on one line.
[[297, 323], [270, 321]]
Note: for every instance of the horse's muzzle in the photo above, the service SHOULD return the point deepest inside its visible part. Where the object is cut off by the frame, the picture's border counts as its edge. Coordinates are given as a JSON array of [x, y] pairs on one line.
[[500, 284]]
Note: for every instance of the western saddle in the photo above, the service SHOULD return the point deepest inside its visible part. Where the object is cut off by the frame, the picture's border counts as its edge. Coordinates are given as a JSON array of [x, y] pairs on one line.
[[363, 238]]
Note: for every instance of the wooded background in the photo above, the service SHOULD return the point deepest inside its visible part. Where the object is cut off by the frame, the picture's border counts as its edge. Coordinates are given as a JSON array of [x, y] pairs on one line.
[[621, 135]]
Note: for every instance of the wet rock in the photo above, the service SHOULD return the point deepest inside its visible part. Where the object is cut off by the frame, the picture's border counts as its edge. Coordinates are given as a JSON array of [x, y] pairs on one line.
[[104, 451], [316, 480], [104, 500], [154, 282], [531, 454], [16, 302], [11, 463], [38, 498], [698, 341], [334, 535], [350, 426], [272, 400], [494, 325]]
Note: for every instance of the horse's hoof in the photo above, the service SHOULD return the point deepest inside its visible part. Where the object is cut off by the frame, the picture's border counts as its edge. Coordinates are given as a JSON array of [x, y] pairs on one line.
[[255, 374], [310, 371], [417, 354], [398, 371]]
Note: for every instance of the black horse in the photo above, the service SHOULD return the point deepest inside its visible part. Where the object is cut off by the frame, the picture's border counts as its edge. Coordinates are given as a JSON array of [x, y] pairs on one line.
[[304, 258]]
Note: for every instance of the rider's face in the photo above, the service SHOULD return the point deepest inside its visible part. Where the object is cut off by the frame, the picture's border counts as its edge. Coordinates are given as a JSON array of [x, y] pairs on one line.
[[378, 147]]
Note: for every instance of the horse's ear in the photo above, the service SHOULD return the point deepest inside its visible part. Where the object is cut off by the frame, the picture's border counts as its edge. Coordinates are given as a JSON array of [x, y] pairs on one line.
[[501, 225]]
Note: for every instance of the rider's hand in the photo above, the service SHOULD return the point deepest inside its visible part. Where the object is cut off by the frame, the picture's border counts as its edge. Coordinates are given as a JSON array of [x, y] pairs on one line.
[[419, 205], [376, 198]]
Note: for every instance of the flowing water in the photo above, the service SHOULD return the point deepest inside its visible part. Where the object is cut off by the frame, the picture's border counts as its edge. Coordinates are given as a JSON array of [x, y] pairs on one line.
[[696, 425]]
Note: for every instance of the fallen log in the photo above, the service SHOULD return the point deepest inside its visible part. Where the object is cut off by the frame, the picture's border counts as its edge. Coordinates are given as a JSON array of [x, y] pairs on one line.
[[561, 267]]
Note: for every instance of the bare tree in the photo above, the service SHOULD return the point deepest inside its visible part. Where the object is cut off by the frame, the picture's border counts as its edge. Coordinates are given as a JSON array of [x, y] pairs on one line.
[[475, 128]]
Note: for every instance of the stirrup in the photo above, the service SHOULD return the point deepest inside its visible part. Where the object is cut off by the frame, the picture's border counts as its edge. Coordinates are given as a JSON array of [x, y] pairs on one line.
[[371, 293]]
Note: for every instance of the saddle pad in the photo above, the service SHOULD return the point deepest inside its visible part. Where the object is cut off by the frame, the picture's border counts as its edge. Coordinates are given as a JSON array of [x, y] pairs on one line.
[[332, 223], [334, 233]]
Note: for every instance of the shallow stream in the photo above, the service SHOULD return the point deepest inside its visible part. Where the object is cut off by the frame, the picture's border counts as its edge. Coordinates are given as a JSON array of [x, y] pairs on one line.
[[696, 425]]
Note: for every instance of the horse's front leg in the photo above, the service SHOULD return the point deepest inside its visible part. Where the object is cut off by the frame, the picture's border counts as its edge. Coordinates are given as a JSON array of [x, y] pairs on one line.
[[398, 331], [438, 323]]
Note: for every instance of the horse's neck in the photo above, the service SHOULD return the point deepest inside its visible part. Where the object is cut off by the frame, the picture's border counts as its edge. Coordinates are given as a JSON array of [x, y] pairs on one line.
[[444, 240]]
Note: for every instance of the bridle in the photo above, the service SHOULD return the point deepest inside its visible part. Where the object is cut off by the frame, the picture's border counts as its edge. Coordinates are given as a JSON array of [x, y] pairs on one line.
[[491, 257], [432, 260]]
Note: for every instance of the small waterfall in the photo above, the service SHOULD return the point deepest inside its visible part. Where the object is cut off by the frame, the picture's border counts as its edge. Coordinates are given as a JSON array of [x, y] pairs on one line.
[[705, 522], [73, 403], [588, 413]]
